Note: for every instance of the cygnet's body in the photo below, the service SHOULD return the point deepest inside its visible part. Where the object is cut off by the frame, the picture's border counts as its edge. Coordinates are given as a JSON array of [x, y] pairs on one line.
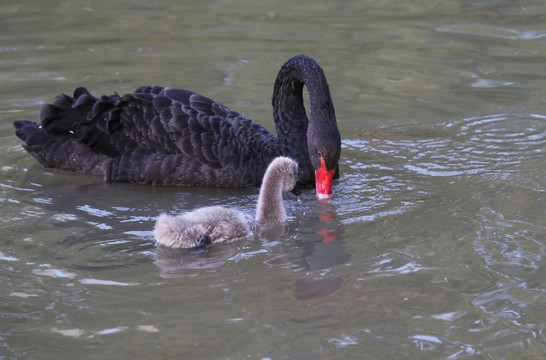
[[216, 224]]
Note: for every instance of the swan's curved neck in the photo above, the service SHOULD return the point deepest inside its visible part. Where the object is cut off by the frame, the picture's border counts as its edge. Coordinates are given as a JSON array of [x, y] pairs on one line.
[[287, 95], [289, 112]]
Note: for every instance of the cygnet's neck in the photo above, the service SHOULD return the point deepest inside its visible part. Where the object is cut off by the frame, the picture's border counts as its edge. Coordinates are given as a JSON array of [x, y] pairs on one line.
[[270, 209]]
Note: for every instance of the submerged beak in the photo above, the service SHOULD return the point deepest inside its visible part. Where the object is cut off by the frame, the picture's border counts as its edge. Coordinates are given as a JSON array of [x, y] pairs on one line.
[[323, 179]]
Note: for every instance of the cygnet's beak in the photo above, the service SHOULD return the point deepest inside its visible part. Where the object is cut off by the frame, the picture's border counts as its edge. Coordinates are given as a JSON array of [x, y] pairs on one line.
[[204, 241]]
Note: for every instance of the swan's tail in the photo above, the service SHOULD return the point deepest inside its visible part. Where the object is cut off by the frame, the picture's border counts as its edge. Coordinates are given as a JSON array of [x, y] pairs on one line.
[[88, 119], [66, 112], [72, 135], [61, 151]]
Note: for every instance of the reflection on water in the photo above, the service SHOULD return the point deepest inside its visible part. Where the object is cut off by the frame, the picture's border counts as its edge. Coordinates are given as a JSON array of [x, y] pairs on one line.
[[180, 263], [432, 247]]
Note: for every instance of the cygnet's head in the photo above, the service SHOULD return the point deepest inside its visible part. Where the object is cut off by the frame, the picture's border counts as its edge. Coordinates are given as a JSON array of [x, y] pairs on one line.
[[286, 170], [204, 241]]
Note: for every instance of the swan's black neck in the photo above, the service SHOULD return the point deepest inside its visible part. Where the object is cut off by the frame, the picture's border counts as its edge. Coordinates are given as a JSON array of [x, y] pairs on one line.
[[299, 137]]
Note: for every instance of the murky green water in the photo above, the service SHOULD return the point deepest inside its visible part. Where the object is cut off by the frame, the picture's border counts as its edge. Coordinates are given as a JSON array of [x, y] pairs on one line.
[[433, 247]]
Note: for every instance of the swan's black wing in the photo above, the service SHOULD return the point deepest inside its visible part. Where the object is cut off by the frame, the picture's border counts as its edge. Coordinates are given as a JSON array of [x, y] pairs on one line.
[[157, 136]]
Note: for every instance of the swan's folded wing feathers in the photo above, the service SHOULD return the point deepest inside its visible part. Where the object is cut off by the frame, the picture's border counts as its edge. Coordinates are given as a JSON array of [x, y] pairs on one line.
[[82, 91], [202, 143], [203, 129], [84, 99], [180, 95], [110, 121], [142, 96], [161, 103], [145, 120], [148, 89], [220, 110], [185, 142], [210, 158], [100, 107], [159, 132], [202, 104], [166, 127], [179, 119], [63, 100]]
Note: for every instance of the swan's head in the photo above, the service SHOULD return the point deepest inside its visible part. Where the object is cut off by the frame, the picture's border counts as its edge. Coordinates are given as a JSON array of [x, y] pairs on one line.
[[324, 152]]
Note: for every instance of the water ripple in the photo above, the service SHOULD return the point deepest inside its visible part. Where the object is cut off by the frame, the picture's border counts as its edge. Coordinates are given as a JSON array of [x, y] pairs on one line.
[[388, 173], [491, 31], [468, 146], [502, 138]]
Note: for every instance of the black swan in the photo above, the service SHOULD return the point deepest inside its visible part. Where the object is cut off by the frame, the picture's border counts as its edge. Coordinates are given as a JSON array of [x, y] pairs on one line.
[[217, 224], [174, 137]]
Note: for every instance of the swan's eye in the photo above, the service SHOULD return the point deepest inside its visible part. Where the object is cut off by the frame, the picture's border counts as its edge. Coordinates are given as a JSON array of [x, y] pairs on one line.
[[319, 153]]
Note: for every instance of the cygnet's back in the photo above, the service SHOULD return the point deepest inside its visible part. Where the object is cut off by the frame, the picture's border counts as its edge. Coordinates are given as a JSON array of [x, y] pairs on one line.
[[219, 224]]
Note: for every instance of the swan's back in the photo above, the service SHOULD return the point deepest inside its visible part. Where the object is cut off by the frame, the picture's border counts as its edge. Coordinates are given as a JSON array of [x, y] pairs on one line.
[[155, 135], [220, 223]]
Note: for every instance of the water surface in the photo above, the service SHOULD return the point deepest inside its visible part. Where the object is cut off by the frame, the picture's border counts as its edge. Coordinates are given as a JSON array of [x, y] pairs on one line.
[[432, 247]]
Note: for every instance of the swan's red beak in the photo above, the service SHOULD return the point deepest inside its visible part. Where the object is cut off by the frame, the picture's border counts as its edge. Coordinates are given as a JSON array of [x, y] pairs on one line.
[[323, 179]]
